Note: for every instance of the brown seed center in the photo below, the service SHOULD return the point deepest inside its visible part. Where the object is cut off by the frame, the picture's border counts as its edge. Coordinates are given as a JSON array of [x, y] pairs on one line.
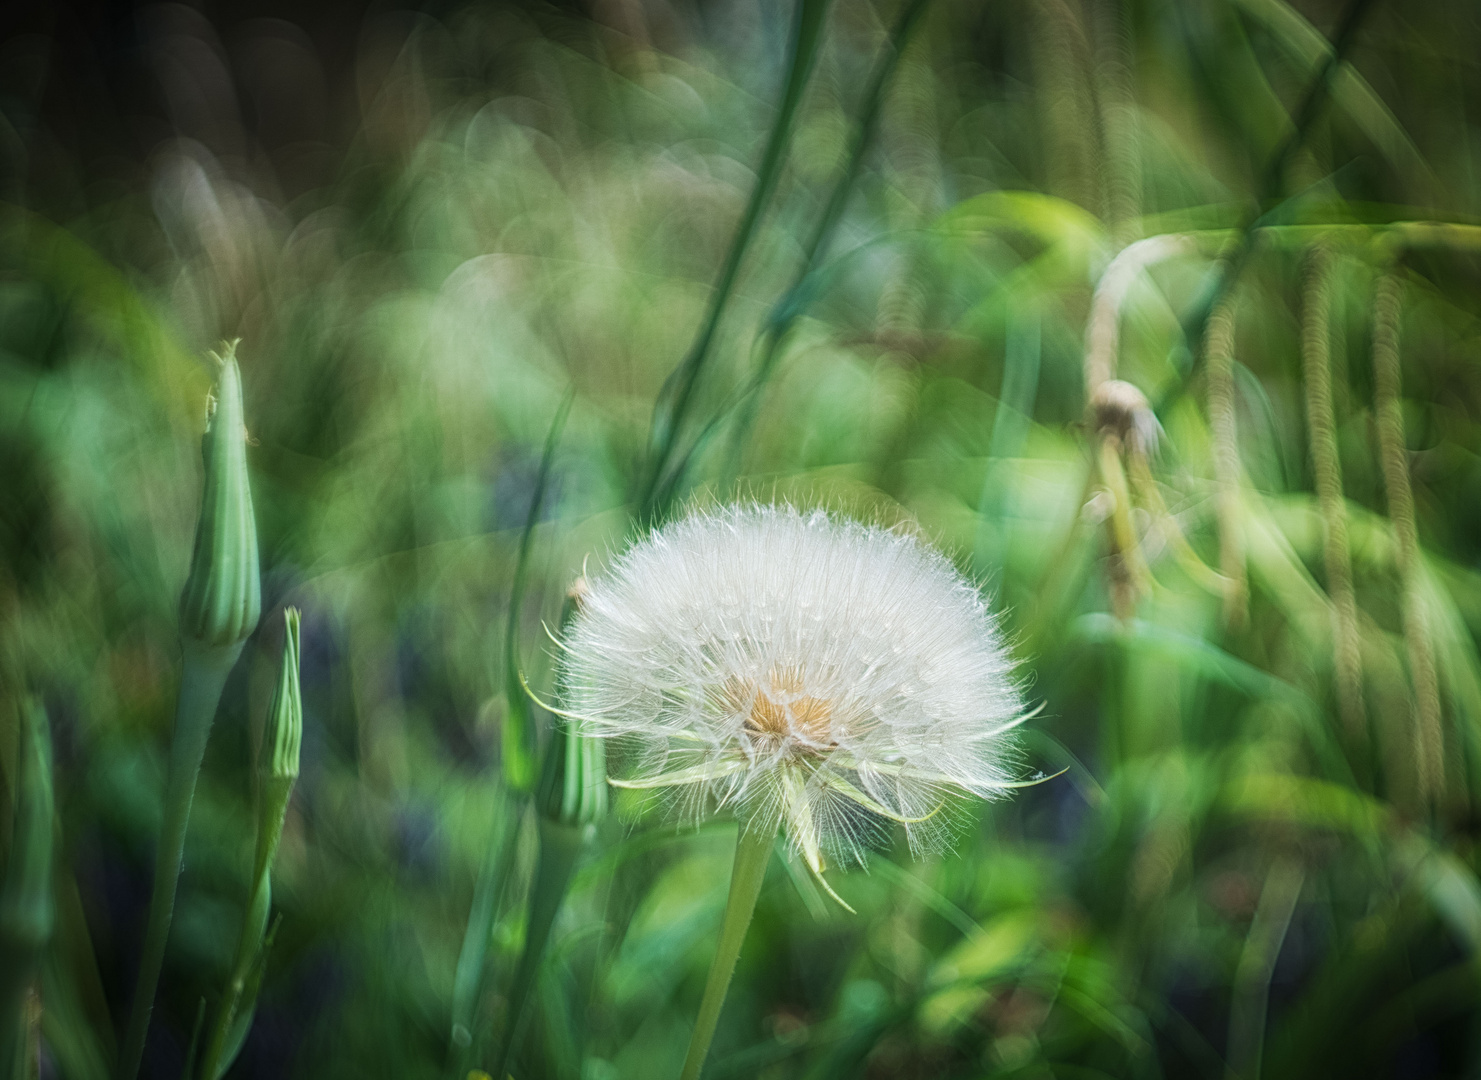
[[778, 709]]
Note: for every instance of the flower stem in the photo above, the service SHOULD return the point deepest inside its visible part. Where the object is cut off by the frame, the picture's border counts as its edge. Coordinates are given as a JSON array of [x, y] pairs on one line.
[[468, 978], [205, 670], [752, 853], [559, 847], [218, 1054]]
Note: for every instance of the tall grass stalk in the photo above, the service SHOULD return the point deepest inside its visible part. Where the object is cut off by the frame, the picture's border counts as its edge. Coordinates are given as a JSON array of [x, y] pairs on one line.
[[1268, 206], [218, 611], [27, 911], [468, 977], [1219, 349], [572, 797], [1267, 933], [517, 740], [518, 748], [799, 295], [1326, 464], [1388, 407], [278, 771], [664, 466]]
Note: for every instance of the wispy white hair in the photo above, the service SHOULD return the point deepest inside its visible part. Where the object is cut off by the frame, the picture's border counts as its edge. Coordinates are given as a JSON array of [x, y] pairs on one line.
[[814, 673]]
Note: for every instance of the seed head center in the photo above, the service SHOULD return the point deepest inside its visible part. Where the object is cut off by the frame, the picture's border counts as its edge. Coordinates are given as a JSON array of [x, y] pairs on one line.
[[779, 710]]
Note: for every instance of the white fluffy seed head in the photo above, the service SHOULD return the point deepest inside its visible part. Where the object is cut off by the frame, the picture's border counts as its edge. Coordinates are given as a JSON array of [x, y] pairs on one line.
[[814, 673]]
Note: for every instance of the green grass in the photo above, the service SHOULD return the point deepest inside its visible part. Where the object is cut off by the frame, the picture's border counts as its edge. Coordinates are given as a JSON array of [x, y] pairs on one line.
[[1261, 858]]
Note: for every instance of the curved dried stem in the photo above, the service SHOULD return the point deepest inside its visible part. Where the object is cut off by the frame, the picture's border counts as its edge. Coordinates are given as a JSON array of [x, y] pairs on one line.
[[1103, 328]]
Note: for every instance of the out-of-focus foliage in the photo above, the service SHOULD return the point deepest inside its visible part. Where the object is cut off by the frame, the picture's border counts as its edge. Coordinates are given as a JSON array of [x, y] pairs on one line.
[[1253, 635]]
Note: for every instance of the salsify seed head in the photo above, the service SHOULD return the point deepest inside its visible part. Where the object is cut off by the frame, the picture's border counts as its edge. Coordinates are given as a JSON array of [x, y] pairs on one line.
[[811, 672]]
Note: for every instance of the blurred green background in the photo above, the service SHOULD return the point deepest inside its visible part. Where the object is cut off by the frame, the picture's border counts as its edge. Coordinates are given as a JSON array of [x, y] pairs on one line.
[[1247, 597]]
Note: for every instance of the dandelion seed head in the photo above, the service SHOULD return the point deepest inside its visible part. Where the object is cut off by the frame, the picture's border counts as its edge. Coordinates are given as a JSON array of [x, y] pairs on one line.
[[811, 672]]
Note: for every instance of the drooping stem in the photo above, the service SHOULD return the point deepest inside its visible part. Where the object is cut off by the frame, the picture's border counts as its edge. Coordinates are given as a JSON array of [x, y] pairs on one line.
[[559, 847], [752, 853], [205, 670]]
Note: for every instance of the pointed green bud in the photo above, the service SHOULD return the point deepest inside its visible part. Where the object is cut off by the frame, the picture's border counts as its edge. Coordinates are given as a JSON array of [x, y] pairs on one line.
[[223, 595], [573, 781], [26, 912], [284, 733], [277, 768]]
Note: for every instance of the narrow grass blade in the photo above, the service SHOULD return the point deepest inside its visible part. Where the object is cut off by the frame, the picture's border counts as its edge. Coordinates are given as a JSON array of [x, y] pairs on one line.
[[660, 480], [518, 734]]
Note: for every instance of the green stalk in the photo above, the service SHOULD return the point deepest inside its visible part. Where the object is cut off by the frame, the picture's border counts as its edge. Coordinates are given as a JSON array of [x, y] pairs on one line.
[[517, 754], [27, 913], [796, 300], [278, 770], [560, 845], [1195, 320], [1388, 412], [1011, 424], [206, 669], [517, 733], [468, 977], [571, 798], [752, 853], [662, 475], [218, 612], [249, 943]]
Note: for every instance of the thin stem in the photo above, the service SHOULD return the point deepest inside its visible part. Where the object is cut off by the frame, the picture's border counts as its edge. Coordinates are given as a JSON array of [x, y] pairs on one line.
[[1219, 349], [276, 793], [468, 978], [1247, 1013], [1429, 741], [1326, 465], [805, 286], [674, 397], [518, 730], [559, 847], [1021, 355], [205, 670], [752, 853], [1272, 183]]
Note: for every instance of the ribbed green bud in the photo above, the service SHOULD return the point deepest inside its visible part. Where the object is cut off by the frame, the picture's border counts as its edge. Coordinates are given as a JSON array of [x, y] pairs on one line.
[[284, 733], [26, 912], [573, 781], [223, 595]]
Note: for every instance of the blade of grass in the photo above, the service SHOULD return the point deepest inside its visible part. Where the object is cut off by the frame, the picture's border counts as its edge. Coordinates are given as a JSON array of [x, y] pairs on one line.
[[1268, 205], [659, 481], [517, 735], [809, 280], [518, 744]]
